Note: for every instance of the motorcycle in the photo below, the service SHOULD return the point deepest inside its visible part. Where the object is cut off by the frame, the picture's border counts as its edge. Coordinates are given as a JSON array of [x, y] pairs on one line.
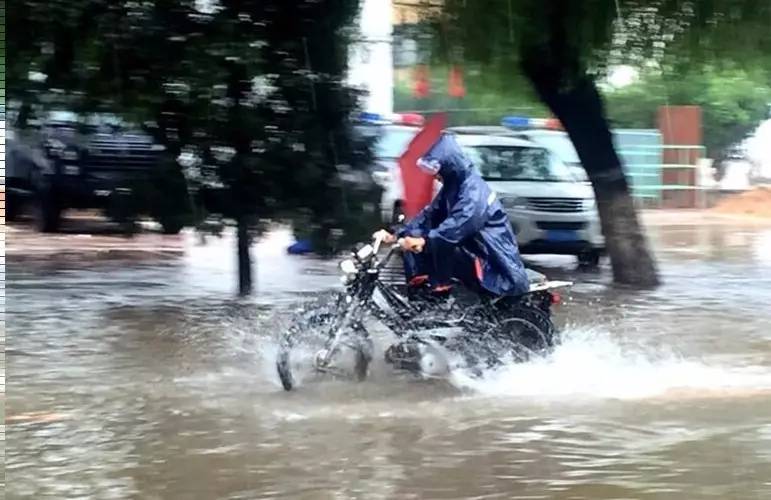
[[469, 330]]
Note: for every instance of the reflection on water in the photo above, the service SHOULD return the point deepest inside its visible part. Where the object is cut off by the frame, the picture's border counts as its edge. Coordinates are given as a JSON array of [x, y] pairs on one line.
[[149, 381]]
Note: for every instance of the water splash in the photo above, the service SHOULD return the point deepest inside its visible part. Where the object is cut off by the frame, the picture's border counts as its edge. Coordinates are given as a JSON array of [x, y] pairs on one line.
[[590, 363]]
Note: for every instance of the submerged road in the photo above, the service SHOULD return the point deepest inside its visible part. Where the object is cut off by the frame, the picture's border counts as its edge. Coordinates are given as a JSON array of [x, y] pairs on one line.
[[145, 378]]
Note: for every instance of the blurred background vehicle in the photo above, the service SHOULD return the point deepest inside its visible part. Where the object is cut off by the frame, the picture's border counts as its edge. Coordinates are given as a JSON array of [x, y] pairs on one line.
[[550, 210], [91, 161]]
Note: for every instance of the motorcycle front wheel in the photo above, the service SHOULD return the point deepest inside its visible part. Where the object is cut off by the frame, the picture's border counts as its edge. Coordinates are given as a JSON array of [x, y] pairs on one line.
[[309, 331], [311, 335]]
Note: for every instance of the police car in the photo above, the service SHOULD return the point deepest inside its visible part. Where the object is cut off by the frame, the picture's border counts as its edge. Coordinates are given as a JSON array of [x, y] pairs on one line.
[[551, 211]]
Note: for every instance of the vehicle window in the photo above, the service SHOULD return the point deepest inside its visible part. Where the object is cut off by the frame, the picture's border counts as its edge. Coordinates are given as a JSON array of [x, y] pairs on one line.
[[393, 142], [100, 121], [559, 144], [94, 122], [516, 163]]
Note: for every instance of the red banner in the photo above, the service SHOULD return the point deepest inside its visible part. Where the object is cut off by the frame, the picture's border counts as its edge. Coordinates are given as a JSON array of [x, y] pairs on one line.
[[455, 86], [418, 185], [422, 85]]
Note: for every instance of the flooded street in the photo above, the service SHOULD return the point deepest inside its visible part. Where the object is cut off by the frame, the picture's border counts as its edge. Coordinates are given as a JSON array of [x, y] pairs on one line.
[[148, 379]]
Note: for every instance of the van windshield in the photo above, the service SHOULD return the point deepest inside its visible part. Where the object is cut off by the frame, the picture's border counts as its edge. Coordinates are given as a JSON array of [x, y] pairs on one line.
[[93, 122], [559, 144], [518, 163]]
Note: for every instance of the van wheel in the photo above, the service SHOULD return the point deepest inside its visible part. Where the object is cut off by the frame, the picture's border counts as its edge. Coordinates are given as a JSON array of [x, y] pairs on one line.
[[589, 260], [171, 225], [13, 207], [48, 213]]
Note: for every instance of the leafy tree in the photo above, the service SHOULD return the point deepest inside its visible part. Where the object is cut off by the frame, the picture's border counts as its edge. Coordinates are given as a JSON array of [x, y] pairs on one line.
[[563, 46], [249, 93], [734, 102]]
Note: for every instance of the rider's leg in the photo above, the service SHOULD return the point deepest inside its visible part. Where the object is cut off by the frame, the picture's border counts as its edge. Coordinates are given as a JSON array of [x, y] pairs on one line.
[[468, 269], [417, 268], [444, 257]]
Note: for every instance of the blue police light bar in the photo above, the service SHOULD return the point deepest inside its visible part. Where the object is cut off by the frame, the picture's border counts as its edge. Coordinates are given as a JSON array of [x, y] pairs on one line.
[[412, 119], [516, 122], [367, 116], [526, 122]]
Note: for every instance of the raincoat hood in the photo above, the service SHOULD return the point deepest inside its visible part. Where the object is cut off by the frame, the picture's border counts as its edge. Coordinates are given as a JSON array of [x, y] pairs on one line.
[[447, 155]]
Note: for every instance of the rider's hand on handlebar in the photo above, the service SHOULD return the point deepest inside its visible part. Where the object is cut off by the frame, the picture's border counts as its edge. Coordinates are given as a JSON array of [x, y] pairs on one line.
[[384, 236], [414, 245]]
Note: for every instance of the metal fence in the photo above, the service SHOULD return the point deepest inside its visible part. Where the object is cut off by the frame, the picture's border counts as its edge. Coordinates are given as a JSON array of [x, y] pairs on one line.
[[661, 174]]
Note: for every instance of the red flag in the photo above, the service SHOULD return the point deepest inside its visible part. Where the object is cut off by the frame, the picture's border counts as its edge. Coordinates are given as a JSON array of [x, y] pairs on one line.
[[422, 86], [455, 85], [418, 185]]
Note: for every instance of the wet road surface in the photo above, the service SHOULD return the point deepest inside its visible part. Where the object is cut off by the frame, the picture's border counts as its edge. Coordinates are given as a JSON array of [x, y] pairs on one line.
[[149, 380]]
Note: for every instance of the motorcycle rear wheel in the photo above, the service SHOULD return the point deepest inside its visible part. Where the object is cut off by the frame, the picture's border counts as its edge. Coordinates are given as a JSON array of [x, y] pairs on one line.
[[521, 334]]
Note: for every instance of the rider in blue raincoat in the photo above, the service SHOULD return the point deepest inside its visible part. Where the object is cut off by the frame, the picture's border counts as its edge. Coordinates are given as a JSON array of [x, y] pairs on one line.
[[464, 233]]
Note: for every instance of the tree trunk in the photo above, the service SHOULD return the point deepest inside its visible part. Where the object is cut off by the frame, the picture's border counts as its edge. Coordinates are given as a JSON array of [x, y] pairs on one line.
[[552, 61], [576, 102], [243, 243]]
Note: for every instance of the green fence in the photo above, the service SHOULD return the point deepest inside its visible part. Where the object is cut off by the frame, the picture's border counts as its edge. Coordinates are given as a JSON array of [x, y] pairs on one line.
[[641, 155], [654, 169]]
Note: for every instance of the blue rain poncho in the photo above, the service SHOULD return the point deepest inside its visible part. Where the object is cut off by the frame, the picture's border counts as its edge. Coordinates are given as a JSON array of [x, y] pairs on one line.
[[465, 213]]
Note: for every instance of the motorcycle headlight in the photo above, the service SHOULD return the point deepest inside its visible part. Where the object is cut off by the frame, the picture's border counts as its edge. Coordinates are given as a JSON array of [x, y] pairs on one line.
[[348, 267], [365, 252]]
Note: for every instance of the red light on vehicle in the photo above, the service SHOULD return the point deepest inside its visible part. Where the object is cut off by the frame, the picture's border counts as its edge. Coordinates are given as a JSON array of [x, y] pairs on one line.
[[555, 298], [553, 124], [413, 119]]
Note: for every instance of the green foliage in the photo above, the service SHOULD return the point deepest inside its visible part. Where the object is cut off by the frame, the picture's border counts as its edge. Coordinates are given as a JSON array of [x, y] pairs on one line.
[[715, 54], [254, 89], [600, 33], [733, 102]]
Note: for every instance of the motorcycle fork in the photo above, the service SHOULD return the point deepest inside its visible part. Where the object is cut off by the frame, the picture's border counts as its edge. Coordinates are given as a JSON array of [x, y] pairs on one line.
[[396, 319], [350, 326]]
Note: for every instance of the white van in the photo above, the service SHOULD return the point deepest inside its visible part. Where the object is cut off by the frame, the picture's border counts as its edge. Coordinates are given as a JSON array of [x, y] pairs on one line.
[[551, 211]]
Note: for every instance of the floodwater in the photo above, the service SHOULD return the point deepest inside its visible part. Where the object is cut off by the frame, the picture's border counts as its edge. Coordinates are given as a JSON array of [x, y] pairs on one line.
[[148, 380]]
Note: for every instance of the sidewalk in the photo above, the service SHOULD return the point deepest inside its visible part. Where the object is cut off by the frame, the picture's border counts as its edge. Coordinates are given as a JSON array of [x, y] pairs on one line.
[[697, 217], [24, 243]]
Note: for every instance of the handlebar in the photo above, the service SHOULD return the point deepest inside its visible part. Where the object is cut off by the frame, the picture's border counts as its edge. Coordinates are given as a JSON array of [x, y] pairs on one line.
[[376, 245]]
